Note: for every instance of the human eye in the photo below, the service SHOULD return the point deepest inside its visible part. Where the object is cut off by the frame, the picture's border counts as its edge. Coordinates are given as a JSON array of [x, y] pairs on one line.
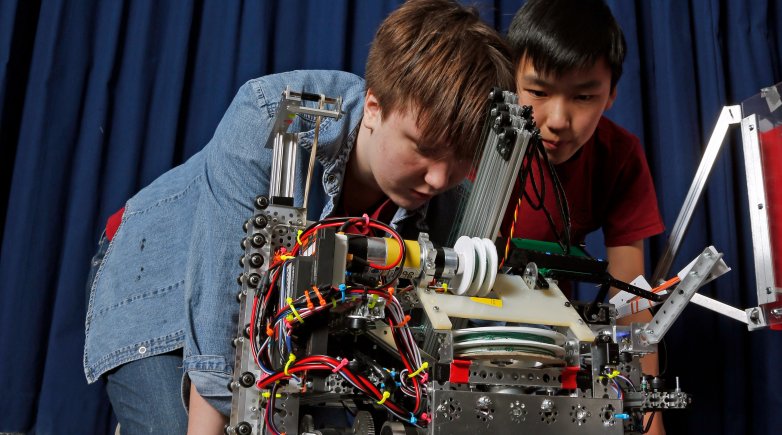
[[584, 97], [536, 93]]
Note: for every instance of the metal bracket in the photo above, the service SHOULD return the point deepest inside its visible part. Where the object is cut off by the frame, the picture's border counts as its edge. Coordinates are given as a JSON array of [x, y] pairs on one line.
[[673, 306]]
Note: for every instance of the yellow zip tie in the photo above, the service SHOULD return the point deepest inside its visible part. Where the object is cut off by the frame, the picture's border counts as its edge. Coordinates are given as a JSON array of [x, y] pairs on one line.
[[423, 367], [613, 374], [295, 313], [334, 302], [386, 395], [445, 286], [286, 257], [291, 358], [267, 394], [373, 301], [298, 237]]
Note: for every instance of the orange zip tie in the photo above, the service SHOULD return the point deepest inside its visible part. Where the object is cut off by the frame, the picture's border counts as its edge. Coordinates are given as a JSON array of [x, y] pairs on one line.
[[390, 292], [403, 322], [320, 298], [269, 330], [310, 305]]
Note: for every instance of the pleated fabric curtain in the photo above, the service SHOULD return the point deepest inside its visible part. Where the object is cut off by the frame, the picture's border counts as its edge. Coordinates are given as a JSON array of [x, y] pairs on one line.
[[98, 98]]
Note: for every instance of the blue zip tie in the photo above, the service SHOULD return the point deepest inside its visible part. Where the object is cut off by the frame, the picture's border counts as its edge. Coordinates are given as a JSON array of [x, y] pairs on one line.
[[342, 289]]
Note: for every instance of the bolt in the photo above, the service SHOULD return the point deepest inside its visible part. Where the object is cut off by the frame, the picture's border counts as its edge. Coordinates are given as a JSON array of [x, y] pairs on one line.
[[650, 331], [754, 315], [777, 312], [768, 290], [436, 308], [547, 405], [760, 206], [752, 127], [567, 304]]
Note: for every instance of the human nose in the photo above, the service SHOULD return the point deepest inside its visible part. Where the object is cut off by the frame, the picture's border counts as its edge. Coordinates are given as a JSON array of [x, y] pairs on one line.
[[438, 174], [558, 116]]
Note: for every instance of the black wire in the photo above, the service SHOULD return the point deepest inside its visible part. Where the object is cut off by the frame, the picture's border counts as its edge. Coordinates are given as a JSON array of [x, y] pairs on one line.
[[649, 422]]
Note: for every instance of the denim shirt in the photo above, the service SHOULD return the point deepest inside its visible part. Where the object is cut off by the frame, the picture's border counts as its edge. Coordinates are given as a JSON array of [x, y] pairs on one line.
[[168, 279]]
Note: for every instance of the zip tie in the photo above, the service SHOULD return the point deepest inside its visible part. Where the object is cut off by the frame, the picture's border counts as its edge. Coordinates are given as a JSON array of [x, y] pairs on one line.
[[373, 301], [340, 366], [413, 420], [403, 322], [342, 289], [386, 395], [613, 374], [267, 394], [320, 298], [445, 286], [269, 330], [365, 231], [298, 237], [295, 313], [420, 369], [424, 377], [334, 302], [291, 358], [310, 305], [390, 292], [425, 418]]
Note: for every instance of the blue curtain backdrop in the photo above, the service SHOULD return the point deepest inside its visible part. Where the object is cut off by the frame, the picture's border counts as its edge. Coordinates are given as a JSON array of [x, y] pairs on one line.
[[98, 98]]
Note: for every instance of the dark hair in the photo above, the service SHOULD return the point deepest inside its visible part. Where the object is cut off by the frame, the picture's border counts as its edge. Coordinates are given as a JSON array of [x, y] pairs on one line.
[[439, 58], [565, 35]]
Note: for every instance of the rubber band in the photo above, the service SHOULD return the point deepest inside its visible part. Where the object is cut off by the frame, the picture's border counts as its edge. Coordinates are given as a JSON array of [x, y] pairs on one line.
[[295, 313], [386, 395], [340, 366], [320, 298], [310, 305], [423, 367], [291, 358]]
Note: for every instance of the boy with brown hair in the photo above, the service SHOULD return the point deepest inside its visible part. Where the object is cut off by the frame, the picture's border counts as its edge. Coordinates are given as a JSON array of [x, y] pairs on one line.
[[162, 311]]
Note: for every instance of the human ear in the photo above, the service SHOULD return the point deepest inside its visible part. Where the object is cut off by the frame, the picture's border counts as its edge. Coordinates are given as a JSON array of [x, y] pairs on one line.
[[611, 98], [372, 111]]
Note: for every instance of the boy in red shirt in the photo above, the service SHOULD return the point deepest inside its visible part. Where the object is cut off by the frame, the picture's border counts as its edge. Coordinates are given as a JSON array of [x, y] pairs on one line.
[[568, 56]]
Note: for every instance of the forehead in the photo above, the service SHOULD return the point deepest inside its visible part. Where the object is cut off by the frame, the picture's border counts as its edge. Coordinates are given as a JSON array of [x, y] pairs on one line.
[[593, 77]]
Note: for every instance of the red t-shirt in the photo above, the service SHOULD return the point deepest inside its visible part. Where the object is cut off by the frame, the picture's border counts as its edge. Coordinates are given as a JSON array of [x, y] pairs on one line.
[[607, 184]]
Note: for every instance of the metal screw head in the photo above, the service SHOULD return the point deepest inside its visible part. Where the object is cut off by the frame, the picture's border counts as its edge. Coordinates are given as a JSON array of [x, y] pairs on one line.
[[754, 316], [484, 402], [547, 405], [760, 206], [436, 308]]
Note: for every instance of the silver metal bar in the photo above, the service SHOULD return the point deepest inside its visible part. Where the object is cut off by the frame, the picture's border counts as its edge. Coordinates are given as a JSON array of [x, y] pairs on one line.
[[758, 212], [719, 307], [729, 115], [673, 306], [313, 152]]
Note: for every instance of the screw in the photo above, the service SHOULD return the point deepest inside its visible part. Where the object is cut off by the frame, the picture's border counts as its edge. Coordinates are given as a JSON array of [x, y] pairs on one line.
[[567, 304], [760, 206], [436, 308], [754, 316], [777, 312]]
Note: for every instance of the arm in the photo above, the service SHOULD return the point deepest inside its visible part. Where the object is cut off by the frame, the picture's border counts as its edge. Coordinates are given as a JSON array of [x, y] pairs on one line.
[[203, 418], [625, 263]]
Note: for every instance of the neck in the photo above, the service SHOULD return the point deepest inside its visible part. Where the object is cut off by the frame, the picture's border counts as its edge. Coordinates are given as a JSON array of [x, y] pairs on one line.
[[359, 188]]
